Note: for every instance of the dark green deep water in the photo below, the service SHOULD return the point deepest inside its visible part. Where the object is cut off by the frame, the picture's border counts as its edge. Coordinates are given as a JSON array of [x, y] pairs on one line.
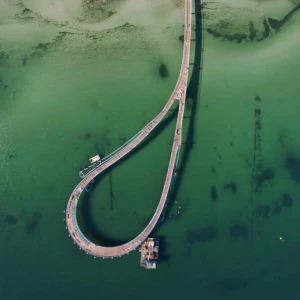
[[239, 168]]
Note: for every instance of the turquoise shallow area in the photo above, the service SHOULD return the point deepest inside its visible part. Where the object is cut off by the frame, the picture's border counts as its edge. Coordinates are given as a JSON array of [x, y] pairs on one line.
[[79, 99]]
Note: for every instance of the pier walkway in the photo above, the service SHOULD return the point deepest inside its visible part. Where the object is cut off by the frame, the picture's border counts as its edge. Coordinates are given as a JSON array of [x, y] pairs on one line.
[[179, 94]]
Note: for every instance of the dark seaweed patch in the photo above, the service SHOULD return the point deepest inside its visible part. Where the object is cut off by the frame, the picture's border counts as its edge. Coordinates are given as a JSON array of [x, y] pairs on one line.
[[265, 210], [3, 58], [228, 285], [287, 200], [202, 235], [257, 99], [10, 220], [26, 11], [238, 231], [257, 111], [277, 24], [213, 170], [213, 193], [253, 31], [293, 165], [262, 210], [274, 23], [213, 32], [264, 175], [43, 47], [231, 186], [24, 61], [22, 213], [277, 209], [238, 37], [122, 140], [267, 30], [87, 136], [163, 71], [32, 223], [282, 138], [258, 175], [222, 31], [50, 188]]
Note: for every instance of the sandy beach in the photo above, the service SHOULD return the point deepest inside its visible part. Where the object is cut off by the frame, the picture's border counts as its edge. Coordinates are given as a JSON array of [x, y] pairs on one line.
[[237, 21]]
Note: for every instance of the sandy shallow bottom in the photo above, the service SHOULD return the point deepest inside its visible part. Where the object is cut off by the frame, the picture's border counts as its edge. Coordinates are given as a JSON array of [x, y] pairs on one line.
[[71, 90]]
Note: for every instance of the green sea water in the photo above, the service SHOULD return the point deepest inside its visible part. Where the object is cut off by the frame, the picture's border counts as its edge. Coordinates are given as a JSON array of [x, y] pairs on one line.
[[80, 94]]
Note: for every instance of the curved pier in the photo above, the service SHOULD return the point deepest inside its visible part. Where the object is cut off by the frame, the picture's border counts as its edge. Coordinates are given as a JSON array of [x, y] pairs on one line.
[[179, 94]]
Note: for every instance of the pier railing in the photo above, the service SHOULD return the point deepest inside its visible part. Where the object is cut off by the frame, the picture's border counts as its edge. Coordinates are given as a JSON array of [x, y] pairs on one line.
[[179, 93], [85, 172]]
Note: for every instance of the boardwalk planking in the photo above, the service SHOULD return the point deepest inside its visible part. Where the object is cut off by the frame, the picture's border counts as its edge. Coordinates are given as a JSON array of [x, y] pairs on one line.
[[179, 94]]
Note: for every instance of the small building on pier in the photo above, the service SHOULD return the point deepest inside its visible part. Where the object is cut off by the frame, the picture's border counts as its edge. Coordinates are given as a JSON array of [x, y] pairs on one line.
[[94, 159], [149, 253]]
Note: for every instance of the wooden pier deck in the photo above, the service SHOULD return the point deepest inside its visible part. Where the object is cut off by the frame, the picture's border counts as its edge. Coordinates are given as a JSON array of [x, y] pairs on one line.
[[179, 94]]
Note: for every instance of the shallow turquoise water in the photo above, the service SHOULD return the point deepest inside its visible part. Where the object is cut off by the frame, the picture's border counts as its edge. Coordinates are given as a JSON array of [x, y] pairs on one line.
[[73, 102]]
